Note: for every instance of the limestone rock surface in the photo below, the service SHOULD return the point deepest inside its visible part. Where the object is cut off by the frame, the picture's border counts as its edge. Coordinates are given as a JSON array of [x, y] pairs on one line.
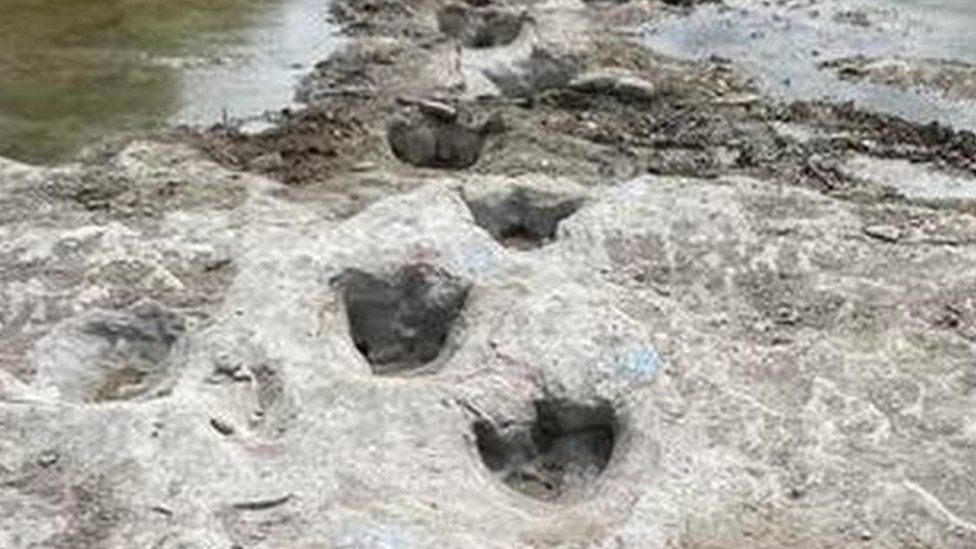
[[676, 363]]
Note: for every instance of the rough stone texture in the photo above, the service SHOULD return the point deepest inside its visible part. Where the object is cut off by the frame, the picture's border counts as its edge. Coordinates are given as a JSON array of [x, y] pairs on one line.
[[616, 82], [777, 377], [429, 141], [784, 360], [480, 27]]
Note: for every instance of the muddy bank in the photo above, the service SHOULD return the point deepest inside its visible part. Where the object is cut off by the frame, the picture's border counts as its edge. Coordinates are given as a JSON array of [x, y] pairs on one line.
[[601, 108]]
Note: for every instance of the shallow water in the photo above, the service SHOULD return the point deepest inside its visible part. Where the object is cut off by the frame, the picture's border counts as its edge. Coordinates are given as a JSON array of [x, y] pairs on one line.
[[783, 43], [913, 181], [75, 71]]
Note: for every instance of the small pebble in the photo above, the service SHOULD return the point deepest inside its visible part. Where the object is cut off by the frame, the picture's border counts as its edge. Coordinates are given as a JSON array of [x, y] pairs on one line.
[[222, 426], [48, 458], [887, 233]]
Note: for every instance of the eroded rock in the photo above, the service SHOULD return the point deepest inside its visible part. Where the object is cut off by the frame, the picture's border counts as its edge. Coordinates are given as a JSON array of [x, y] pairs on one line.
[[951, 78], [108, 356]]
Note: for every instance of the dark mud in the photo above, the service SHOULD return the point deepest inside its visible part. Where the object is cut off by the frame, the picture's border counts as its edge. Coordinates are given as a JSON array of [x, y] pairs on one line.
[[307, 147], [480, 27]]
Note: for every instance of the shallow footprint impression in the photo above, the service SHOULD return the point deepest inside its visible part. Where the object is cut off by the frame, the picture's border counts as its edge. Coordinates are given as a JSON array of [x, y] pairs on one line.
[[557, 455], [522, 218], [112, 356], [480, 26], [402, 322], [435, 139]]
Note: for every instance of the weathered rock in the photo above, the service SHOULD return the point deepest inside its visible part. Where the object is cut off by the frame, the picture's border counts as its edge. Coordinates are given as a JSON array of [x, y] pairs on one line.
[[402, 321], [659, 363], [887, 233], [431, 107], [542, 69], [267, 162], [107, 356], [688, 360], [615, 82]]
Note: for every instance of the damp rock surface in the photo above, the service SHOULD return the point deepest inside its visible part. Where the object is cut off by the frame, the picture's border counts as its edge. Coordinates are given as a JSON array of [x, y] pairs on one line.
[[910, 59]]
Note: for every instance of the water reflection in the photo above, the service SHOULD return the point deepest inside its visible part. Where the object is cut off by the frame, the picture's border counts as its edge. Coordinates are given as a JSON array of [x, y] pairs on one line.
[[783, 44], [73, 71]]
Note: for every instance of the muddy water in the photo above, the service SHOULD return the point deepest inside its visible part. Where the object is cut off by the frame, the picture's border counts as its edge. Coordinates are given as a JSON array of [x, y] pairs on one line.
[[75, 71], [783, 43]]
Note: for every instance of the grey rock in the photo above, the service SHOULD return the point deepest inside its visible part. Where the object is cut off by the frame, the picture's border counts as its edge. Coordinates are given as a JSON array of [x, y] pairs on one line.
[[616, 82], [429, 141], [431, 107]]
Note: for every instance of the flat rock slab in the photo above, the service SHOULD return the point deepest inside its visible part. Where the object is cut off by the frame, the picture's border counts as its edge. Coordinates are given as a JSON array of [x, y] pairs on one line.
[[743, 363], [616, 82]]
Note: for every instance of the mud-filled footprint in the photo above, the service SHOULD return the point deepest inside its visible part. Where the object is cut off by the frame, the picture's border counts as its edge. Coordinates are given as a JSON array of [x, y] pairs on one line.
[[555, 456], [522, 218], [403, 321]]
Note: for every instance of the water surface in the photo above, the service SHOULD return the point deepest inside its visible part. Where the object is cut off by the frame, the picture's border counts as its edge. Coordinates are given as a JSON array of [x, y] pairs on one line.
[[75, 71], [782, 44]]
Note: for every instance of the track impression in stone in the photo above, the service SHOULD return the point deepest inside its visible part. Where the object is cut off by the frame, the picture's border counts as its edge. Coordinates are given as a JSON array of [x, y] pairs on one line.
[[542, 70], [522, 218], [112, 356], [430, 134], [555, 456], [404, 321], [480, 27]]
